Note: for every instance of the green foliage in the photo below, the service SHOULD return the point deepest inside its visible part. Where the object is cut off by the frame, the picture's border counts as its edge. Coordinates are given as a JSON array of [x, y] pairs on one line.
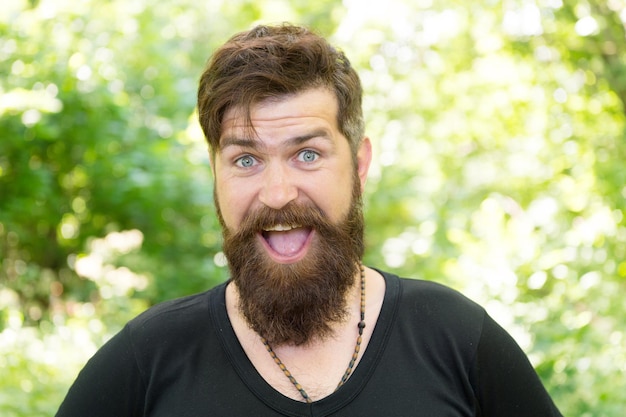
[[508, 128], [500, 136]]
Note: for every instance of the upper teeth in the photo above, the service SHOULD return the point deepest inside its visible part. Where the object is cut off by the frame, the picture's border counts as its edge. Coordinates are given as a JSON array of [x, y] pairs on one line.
[[281, 228]]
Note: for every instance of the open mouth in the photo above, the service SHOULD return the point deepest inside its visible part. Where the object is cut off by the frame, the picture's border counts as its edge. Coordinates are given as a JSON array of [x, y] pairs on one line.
[[286, 242]]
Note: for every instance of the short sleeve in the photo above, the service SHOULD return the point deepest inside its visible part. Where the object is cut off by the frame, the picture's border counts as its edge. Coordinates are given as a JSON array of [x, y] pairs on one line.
[[110, 384], [507, 383]]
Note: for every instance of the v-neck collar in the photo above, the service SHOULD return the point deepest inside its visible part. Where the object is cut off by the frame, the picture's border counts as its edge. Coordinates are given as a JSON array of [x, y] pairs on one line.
[[331, 403]]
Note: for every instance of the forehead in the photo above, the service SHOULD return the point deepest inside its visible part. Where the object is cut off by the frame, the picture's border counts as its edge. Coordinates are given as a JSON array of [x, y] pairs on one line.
[[310, 107]]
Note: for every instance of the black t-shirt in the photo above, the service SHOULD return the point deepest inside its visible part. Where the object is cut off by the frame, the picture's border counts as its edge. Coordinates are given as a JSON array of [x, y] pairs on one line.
[[433, 353]]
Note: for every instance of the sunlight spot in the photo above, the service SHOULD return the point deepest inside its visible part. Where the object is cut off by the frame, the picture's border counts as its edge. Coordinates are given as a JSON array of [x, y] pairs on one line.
[[83, 73], [589, 280], [69, 226], [220, 259], [394, 250], [126, 241], [586, 26], [89, 266], [537, 280], [31, 117], [525, 21], [560, 95], [18, 67], [560, 271]]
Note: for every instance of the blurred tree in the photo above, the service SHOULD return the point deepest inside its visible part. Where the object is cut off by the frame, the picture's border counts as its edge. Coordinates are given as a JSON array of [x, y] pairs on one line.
[[105, 191], [506, 119], [499, 130]]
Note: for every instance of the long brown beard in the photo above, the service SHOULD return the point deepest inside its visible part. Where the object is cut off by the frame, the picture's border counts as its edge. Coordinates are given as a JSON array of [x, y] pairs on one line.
[[296, 303]]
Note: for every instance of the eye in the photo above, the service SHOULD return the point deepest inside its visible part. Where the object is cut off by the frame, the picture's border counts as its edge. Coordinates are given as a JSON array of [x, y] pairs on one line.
[[245, 161], [308, 156]]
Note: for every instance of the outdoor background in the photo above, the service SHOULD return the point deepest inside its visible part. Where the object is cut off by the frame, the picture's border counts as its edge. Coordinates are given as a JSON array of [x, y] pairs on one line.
[[500, 139]]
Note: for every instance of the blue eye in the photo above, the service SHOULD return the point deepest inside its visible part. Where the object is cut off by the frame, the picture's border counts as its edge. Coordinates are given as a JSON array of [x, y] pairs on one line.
[[308, 156], [245, 161]]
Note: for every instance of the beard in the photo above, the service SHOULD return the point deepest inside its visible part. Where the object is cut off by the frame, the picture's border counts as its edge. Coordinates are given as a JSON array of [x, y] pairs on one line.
[[294, 304]]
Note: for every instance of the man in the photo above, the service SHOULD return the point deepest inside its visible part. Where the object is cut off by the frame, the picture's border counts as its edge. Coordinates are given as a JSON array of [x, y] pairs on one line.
[[302, 328]]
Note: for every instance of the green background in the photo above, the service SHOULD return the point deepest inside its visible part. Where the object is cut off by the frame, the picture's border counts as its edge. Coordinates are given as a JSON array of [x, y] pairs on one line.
[[499, 135]]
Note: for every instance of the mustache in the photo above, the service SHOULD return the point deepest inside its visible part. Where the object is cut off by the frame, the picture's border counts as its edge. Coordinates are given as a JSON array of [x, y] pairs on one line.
[[292, 214]]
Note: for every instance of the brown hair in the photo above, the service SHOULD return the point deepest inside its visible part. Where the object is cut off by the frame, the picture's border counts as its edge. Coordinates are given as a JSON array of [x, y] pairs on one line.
[[269, 62]]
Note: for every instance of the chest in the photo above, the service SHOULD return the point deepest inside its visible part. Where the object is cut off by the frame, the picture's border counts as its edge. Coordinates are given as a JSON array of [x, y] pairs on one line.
[[314, 371], [395, 385], [401, 373]]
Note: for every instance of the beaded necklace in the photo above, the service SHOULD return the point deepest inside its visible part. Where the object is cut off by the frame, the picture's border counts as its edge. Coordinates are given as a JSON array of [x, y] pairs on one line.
[[355, 355]]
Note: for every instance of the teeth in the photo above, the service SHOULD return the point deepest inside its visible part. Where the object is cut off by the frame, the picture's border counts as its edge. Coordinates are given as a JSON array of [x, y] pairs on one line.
[[281, 228]]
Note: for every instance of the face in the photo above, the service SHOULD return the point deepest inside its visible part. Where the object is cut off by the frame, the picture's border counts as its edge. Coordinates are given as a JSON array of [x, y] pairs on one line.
[[299, 155], [289, 203]]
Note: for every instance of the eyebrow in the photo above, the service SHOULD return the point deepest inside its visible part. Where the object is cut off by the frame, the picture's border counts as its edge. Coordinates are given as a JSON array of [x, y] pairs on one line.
[[227, 141]]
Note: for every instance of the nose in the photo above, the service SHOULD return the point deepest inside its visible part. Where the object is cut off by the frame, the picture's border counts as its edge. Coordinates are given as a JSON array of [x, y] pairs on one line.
[[278, 187]]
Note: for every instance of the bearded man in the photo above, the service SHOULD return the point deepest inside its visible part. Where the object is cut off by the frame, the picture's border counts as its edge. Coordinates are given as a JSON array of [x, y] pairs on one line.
[[302, 328]]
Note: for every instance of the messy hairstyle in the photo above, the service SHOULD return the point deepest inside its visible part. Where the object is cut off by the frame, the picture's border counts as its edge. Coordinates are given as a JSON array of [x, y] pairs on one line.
[[271, 62]]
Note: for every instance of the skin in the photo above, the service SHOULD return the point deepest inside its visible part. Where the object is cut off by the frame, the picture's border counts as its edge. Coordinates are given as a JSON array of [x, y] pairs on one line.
[[299, 155]]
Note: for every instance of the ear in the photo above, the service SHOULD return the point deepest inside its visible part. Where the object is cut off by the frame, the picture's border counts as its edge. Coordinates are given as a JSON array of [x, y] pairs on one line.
[[363, 159]]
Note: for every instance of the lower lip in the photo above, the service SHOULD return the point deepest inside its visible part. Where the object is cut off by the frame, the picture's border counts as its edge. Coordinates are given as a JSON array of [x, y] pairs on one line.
[[287, 259]]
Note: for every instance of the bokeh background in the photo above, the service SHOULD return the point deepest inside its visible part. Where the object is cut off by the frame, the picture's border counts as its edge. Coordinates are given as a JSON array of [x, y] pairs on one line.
[[499, 132]]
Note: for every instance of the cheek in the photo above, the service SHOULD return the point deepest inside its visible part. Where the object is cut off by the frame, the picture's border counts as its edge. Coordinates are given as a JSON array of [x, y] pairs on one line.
[[335, 200], [234, 201], [225, 206]]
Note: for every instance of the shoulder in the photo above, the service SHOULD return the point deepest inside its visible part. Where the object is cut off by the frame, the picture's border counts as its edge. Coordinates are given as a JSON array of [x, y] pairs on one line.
[[182, 314], [435, 295], [431, 305]]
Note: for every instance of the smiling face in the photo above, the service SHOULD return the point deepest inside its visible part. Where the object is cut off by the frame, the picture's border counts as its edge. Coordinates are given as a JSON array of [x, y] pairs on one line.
[[298, 155], [288, 197]]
